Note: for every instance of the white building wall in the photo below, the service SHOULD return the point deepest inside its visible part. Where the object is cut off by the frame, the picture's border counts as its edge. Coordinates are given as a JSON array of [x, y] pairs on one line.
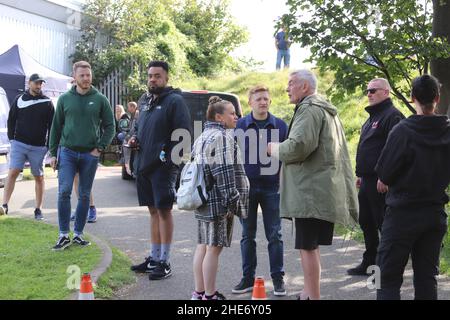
[[48, 41]]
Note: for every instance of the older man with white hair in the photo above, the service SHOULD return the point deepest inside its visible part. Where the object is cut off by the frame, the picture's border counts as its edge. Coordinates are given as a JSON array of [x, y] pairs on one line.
[[383, 116], [317, 187]]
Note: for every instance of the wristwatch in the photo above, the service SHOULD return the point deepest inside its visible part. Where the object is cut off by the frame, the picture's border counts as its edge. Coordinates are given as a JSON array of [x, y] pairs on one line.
[[100, 149]]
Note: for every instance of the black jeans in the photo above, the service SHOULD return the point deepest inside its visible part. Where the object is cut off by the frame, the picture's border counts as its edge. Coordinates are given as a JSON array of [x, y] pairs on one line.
[[371, 213], [418, 232]]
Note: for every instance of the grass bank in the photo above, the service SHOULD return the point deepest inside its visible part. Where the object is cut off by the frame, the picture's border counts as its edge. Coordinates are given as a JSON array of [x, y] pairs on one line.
[[30, 270]]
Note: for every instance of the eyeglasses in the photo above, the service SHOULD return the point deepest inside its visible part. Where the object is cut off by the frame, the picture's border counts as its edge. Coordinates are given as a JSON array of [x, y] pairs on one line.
[[373, 90]]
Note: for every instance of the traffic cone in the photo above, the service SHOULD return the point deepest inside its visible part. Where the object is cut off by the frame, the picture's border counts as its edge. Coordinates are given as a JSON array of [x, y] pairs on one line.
[[86, 290], [259, 291]]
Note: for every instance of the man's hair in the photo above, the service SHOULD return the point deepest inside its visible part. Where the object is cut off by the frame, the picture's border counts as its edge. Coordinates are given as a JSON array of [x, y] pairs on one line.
[[306, 75], [81, 64], [216, 106], [160, 64], [257, 89], [384, 82], [425, 89]]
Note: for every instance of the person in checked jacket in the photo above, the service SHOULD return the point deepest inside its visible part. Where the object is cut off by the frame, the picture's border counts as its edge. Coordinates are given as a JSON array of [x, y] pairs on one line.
[[228, 189]]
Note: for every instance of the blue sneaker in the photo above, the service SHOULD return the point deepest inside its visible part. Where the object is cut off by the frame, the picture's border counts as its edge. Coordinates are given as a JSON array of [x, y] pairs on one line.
[[92, 215]]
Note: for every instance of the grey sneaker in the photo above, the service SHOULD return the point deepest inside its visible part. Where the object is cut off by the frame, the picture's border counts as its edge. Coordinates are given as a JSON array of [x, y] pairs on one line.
[[278, 287], [38, 214]]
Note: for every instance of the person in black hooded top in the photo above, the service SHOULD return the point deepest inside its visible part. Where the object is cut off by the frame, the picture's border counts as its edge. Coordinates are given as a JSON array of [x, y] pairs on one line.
[[414, 164]]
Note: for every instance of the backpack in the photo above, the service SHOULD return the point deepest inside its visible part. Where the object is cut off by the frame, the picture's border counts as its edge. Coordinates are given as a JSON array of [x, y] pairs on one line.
[[192, 192]]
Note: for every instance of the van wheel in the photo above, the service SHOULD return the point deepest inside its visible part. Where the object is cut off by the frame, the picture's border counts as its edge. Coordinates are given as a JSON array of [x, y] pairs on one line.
[[125, 175]]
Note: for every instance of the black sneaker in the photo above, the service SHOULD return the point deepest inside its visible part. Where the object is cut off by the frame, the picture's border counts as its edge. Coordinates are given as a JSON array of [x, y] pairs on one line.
[[278, 287], [38, 214], [246, 285], [3, 209], [63, 242], [360, 270], [162, 271], [145, 267], [215, 296], [80, 241]]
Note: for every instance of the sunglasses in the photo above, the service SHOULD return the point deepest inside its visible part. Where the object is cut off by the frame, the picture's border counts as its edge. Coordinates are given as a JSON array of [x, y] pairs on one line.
[[373, 90]]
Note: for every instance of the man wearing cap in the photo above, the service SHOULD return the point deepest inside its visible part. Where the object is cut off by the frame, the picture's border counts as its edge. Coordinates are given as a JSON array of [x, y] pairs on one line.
[[29, 123]]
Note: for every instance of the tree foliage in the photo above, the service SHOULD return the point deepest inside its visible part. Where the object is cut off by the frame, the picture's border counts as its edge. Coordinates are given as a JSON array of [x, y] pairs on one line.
[[194, 36], [359, 40]]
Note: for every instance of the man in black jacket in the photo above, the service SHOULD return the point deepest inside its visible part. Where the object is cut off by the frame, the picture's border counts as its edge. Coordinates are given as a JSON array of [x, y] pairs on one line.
[[29, 123], [162, 110], [383, 116]]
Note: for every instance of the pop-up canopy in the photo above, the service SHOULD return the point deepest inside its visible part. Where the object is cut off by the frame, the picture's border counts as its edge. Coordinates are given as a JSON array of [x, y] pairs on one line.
[[16, 66]]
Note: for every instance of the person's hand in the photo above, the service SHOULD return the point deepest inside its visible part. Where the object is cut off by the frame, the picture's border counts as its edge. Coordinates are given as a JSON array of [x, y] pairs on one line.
[[53, 163], [230, 214], [381, 187], [358, 182], [132, 142], [96, 153]]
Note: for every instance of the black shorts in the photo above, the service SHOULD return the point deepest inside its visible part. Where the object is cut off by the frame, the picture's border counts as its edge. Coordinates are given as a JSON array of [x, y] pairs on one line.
[[310, 233], [157, 189]]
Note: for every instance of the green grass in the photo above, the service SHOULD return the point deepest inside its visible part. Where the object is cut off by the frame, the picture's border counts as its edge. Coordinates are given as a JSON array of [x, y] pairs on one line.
[[117, 276], [30, 270]]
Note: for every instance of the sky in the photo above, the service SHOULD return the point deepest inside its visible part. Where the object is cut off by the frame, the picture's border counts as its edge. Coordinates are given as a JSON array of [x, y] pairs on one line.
[[259, 16]]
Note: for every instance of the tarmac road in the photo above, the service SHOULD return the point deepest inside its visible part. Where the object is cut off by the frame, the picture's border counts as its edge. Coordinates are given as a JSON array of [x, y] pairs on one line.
[[126, 226]]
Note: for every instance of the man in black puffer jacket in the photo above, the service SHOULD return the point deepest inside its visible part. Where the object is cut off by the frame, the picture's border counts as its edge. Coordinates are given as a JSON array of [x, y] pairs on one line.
[[162, 110], [383, 117]]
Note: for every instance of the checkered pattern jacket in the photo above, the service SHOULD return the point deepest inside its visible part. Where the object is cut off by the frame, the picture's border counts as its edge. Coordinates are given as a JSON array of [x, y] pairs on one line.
[[226, 181]]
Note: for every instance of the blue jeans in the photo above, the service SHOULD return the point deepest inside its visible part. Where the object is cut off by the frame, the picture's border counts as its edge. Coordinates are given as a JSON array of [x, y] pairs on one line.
[[70, 162], [283, 54], [269, 199]]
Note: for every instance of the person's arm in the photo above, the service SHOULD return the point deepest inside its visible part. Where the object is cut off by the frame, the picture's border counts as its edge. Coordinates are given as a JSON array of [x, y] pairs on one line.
[[222, 170], [393, 157], [50, 117], [108, 126], [12, 119], [303, 138], [56, 128]]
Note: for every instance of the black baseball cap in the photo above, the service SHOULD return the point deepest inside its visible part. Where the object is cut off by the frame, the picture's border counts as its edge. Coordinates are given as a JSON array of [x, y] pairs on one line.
[[35, 77]]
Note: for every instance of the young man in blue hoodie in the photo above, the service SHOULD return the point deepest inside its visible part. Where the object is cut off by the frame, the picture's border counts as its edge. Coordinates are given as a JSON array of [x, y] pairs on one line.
[[76, 144], [261, 127]]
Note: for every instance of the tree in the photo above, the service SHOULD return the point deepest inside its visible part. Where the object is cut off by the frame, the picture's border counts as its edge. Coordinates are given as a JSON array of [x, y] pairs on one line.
[[359, 40], [211, 26], [194, 36], [441, 67]]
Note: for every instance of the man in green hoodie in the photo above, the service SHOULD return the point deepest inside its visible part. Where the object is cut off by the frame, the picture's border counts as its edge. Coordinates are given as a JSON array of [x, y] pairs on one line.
[[81, 115], [317, 187]]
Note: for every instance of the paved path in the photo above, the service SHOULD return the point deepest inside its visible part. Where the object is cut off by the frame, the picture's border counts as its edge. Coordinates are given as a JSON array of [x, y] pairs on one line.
[[126, 226]]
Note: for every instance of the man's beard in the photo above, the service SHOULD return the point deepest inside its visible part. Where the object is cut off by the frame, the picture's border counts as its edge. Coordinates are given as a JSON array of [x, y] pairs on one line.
[[156, 90], [36, 92]]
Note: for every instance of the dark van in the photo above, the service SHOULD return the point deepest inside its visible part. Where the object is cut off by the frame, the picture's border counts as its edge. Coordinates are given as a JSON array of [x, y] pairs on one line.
[[197, 101]]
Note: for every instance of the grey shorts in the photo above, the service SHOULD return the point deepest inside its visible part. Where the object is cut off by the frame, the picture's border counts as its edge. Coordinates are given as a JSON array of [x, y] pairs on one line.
[[21, 153]]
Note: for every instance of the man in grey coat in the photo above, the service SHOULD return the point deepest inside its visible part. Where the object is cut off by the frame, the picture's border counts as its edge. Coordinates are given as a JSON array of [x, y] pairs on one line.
[[317, 186]]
